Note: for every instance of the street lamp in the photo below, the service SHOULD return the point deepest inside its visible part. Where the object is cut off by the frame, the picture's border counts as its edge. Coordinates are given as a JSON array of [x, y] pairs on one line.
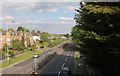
[[35, 59]]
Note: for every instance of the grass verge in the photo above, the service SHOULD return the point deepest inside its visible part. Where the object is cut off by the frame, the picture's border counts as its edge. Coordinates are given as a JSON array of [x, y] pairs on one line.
[[18, 59]]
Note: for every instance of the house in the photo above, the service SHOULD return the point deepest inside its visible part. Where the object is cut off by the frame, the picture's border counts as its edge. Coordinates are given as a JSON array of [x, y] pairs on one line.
[[8, 36], [36, 36]]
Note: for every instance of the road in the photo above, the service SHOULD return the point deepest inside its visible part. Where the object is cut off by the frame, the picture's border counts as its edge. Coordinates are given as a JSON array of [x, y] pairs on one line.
[[66, 58], [28, 65]]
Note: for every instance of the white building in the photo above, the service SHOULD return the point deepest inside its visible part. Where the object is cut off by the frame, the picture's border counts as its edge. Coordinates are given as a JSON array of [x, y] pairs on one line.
[[36, 37]]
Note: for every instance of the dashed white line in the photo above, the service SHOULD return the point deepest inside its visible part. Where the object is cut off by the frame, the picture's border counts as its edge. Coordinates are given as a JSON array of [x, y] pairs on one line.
[[63, 65], [67, 54], [59, 73], [66, 58]]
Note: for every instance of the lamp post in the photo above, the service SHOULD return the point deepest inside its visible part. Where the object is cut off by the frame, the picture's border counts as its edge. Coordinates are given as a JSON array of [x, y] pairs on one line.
[[35, 56]]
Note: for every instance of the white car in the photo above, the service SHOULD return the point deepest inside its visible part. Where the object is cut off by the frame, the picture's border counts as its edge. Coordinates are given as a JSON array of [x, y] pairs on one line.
[[35, 56]]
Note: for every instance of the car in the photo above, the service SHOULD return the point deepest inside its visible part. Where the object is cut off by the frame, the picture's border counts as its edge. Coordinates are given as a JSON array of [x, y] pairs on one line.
[[65, 71], [42, 47], [80, 65], [36, 56]]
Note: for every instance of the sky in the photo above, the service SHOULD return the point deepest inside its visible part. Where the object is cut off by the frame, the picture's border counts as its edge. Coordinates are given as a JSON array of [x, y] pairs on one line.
[[52, 17]]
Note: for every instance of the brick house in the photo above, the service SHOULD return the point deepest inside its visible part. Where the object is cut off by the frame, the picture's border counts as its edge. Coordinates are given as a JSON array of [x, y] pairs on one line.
[[7, 36]]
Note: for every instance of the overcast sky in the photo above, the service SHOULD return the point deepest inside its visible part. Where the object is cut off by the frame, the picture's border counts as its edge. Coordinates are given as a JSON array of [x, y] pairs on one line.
[[52, 17]]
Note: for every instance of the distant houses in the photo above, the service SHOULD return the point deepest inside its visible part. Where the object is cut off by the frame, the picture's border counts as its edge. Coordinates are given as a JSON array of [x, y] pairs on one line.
[[29, 38], [8, 36]]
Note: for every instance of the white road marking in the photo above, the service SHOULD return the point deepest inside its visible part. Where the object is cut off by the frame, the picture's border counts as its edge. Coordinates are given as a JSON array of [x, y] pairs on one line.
[[68, 54], [59, 73], [19, 67], [63, 65], [66, 58]]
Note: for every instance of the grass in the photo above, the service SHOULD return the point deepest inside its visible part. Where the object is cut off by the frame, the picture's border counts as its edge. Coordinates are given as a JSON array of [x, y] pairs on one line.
[[17, 59]]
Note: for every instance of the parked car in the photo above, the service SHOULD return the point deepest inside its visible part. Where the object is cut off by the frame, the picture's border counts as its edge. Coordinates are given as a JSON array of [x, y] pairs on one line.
[[42, 47], [65, 71]]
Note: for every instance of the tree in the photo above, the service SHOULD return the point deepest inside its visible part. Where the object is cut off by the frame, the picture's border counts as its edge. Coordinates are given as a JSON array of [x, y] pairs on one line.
[[23, 42], [33, 31], [27, 30], [38, 31], [97, 34], [21, 28], [4, 48], [67, 35], [1, 30], [45, 37], [4, 52], [10, 29], [16, 45]]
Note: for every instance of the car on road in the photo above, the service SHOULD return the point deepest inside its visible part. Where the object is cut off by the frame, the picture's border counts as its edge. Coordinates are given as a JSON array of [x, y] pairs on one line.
[[36, 56], [80, 65], [65, 71]]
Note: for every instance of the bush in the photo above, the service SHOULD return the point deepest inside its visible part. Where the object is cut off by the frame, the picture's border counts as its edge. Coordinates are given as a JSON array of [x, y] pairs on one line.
[[12, 53]]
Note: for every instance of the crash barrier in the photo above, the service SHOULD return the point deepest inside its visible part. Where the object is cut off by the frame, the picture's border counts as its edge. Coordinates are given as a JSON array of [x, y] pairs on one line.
[[41, 64]]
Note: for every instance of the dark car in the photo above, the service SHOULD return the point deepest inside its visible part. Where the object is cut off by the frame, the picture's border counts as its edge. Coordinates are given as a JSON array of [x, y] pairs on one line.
[[65, 71]]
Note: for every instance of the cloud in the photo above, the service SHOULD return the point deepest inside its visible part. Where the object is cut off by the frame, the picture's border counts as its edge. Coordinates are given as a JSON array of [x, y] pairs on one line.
[[6, 17], [17, 6], [40, 11], [72, 8], [48, 10], [52, 10], [40, 7], [40, 0], [65, 18], [64, 21], [33, 22]]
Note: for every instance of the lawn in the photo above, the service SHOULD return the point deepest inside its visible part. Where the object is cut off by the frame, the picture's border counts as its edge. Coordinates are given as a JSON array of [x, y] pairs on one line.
[[17, 59]]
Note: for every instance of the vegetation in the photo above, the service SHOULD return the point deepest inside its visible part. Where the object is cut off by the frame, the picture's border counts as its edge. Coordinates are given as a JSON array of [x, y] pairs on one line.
[[97, 35], [21, 28], [33, 31], [1, 30], [10, 29], [45, 37], [18, 58], [16, 45], [55, 42], [4, 51]]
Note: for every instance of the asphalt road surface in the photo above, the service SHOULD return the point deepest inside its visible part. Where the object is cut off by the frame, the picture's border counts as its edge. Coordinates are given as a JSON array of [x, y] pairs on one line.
[[66, 58]]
